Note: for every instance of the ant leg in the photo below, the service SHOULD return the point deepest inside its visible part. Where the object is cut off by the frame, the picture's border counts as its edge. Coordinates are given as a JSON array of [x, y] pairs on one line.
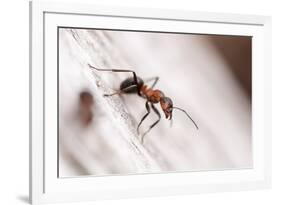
[[171, 122], [122, 71], [143, 118], [155, 123], [155, 81], [120, 91]]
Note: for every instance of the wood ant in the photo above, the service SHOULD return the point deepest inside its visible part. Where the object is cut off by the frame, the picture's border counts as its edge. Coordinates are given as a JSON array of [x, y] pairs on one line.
[[135, 85]]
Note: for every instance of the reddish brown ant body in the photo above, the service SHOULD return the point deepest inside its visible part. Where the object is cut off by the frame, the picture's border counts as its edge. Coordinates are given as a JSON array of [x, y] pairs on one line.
[[135, 85]]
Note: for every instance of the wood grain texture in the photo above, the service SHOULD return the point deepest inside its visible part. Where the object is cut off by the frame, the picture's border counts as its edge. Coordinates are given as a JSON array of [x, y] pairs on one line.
[[191, 72]]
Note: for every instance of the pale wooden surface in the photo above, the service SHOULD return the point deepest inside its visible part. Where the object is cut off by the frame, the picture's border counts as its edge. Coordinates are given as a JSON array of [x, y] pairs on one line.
[[191, 72]]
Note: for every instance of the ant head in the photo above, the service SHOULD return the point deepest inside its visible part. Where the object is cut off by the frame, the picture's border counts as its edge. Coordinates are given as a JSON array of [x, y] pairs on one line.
[[167, 106]]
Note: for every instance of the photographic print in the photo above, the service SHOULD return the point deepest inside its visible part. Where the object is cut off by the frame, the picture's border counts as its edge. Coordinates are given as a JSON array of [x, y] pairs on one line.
[[140, 102]]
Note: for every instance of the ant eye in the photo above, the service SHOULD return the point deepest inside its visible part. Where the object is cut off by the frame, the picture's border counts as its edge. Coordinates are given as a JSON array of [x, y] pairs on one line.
[[168, 101]]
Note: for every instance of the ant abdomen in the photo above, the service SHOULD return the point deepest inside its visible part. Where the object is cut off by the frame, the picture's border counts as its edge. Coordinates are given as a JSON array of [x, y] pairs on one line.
[[129, 85]]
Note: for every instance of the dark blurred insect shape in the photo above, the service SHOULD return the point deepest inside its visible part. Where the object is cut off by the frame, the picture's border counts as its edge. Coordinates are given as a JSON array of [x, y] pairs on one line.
[[86, 102], [135, 85]]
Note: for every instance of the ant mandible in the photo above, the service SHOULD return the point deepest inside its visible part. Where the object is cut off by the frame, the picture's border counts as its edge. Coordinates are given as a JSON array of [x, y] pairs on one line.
[[135, 85]]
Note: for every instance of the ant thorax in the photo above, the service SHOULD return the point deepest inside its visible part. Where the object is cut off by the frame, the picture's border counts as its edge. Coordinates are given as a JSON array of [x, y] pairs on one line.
[[151, 95]]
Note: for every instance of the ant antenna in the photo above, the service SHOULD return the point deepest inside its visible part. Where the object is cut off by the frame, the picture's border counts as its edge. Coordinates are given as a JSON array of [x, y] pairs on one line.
[[187, 116]]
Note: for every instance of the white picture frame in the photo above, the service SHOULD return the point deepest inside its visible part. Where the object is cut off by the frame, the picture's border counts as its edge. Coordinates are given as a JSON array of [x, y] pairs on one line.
[[46, 187]]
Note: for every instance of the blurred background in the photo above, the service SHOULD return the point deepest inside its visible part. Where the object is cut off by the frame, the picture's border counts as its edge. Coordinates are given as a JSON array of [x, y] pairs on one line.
[[207, 75]]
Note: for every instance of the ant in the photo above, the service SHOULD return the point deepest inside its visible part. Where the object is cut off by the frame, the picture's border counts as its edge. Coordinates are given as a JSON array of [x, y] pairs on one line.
[[135, 85]]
